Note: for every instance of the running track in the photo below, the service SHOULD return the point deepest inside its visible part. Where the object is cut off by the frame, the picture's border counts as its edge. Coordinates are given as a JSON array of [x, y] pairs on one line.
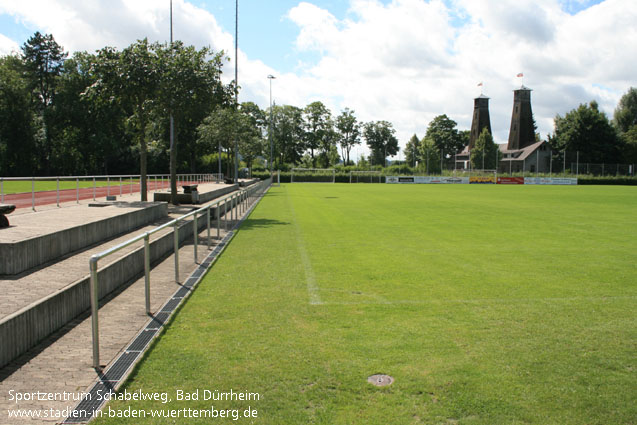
[[23, 200]]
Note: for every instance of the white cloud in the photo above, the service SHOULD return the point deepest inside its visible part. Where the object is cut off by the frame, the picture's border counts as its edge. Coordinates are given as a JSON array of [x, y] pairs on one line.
[[408, 61], [8, 46]]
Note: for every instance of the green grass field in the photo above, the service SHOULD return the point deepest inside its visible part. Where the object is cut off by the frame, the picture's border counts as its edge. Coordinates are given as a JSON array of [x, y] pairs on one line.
[[24, 186], [487, 304]]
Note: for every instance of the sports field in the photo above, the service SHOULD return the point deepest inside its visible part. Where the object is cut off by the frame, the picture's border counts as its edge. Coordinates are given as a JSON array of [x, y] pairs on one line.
[[487, 304]]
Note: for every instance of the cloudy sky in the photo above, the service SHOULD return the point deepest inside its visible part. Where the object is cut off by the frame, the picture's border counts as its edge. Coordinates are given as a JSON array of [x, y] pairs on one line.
[[404, 61]]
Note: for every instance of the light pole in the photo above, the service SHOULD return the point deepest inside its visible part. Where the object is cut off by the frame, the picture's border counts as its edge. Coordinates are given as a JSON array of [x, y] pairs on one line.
[[173, 154], [270, 77], [236, 88]]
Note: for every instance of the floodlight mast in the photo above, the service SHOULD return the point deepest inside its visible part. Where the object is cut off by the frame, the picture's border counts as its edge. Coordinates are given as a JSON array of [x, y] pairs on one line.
[[270, 77], [173, 156], [236, 89]]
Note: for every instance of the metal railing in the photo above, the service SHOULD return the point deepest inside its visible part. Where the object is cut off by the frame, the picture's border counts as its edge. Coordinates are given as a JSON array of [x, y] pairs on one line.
[[239, 203], [155, 182]]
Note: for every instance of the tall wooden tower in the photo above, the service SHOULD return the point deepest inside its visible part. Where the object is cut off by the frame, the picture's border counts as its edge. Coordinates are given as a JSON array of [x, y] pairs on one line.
[[480, 119], [522, 132]]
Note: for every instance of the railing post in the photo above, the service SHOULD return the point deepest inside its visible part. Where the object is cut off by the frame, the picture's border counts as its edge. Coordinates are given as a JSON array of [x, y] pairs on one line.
[[218, 210], [77, 190], [93, 187], [33, 193], [176, 237], [57, 191], [195, 235], [1, 190], [225, 214], [120, 186], [108, 186], [94, 293], [131, 185], [208, 223], [147, 270]]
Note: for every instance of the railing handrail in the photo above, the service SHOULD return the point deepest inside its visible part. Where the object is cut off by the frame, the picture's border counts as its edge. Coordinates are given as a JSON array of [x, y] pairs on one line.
[[102, 176], [239, 199]]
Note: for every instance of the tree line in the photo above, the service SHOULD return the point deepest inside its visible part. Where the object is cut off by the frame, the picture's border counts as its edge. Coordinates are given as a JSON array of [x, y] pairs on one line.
[[109, 112]]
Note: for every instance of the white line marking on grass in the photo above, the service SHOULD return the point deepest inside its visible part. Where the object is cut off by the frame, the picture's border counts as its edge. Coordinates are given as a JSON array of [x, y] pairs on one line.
[[479, 300], [310, 278]]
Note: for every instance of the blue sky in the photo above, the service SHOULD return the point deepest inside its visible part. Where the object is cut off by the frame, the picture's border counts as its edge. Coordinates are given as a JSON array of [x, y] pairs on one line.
[[404, 61]]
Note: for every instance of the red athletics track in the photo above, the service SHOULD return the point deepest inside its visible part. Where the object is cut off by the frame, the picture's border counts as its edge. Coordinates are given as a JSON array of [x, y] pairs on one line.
[[23, 200]]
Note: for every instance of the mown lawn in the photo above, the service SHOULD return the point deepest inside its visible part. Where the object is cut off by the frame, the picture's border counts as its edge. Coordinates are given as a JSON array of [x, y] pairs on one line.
[[487, 304]]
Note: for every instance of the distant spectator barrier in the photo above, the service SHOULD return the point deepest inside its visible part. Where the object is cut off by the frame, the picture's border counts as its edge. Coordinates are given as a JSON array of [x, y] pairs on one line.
[[114, 184]]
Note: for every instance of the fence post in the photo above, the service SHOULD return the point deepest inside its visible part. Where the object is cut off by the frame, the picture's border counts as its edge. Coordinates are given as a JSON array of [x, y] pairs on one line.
[[33, 193], [147, 270], [218, 210], [176, 238], [1, 190], [195, 235], [208, 224], [108, 186], [120, 186], [94, 293], [57, 191], [77, 190], [131, 185], [225, 214], [93, 187]]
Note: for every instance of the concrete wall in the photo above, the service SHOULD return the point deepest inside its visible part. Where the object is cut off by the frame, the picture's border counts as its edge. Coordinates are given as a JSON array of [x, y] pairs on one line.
[[187, 198], [16, 257], [24, 329]]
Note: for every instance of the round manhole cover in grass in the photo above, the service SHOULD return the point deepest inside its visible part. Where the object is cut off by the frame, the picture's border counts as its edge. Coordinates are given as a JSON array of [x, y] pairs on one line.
[[380, 380]]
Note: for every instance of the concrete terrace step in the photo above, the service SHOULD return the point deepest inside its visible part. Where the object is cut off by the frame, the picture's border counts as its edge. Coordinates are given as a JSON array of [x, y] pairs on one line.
[[37, 303]]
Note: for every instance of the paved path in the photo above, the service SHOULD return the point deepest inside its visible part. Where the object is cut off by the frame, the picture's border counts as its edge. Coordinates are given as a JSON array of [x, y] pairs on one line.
[[63, 363]]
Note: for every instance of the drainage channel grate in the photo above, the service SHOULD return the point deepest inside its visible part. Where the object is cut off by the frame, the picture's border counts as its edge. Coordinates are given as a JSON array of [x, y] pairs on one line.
[[142, 340], [171, 305], [86, 409], [119, 368], [91, 403]]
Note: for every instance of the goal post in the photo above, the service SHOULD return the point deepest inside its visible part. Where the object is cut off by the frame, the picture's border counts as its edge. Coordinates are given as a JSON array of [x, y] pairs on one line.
[[365, 177], [313, 175]]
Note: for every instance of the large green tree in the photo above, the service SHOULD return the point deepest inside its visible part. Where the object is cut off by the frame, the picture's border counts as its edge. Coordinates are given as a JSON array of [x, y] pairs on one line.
[[17, 120], [288, 133], [319, 133], [43, 64], [412, 151], [381, 140], [444, 133], [348, 132], [430, 156], [485, 154], [588, 131], [625, 120]]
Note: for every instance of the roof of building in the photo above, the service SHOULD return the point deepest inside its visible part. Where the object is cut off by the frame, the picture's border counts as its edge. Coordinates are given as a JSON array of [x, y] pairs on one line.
[[523, 153]]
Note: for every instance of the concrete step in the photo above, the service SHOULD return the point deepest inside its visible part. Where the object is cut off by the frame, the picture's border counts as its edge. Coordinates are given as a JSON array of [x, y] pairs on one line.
[[40, 302]]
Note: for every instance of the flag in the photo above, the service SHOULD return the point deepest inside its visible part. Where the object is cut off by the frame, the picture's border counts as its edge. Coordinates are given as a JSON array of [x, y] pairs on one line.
[[480, 84], [520, 74]]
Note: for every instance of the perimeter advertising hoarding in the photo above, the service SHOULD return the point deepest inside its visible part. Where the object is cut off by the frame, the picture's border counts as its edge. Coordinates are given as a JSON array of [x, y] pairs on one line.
[[510, 180], [482, 180], [550, 180], [427, 180]]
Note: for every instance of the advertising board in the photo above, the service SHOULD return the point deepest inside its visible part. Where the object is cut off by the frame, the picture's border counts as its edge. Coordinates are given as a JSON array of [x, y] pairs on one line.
[[426, 180], [510, 180], [482, 180], [550, 180]]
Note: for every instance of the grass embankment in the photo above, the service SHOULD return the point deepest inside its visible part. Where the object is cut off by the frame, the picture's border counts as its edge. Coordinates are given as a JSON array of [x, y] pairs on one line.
[[487, 304]]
